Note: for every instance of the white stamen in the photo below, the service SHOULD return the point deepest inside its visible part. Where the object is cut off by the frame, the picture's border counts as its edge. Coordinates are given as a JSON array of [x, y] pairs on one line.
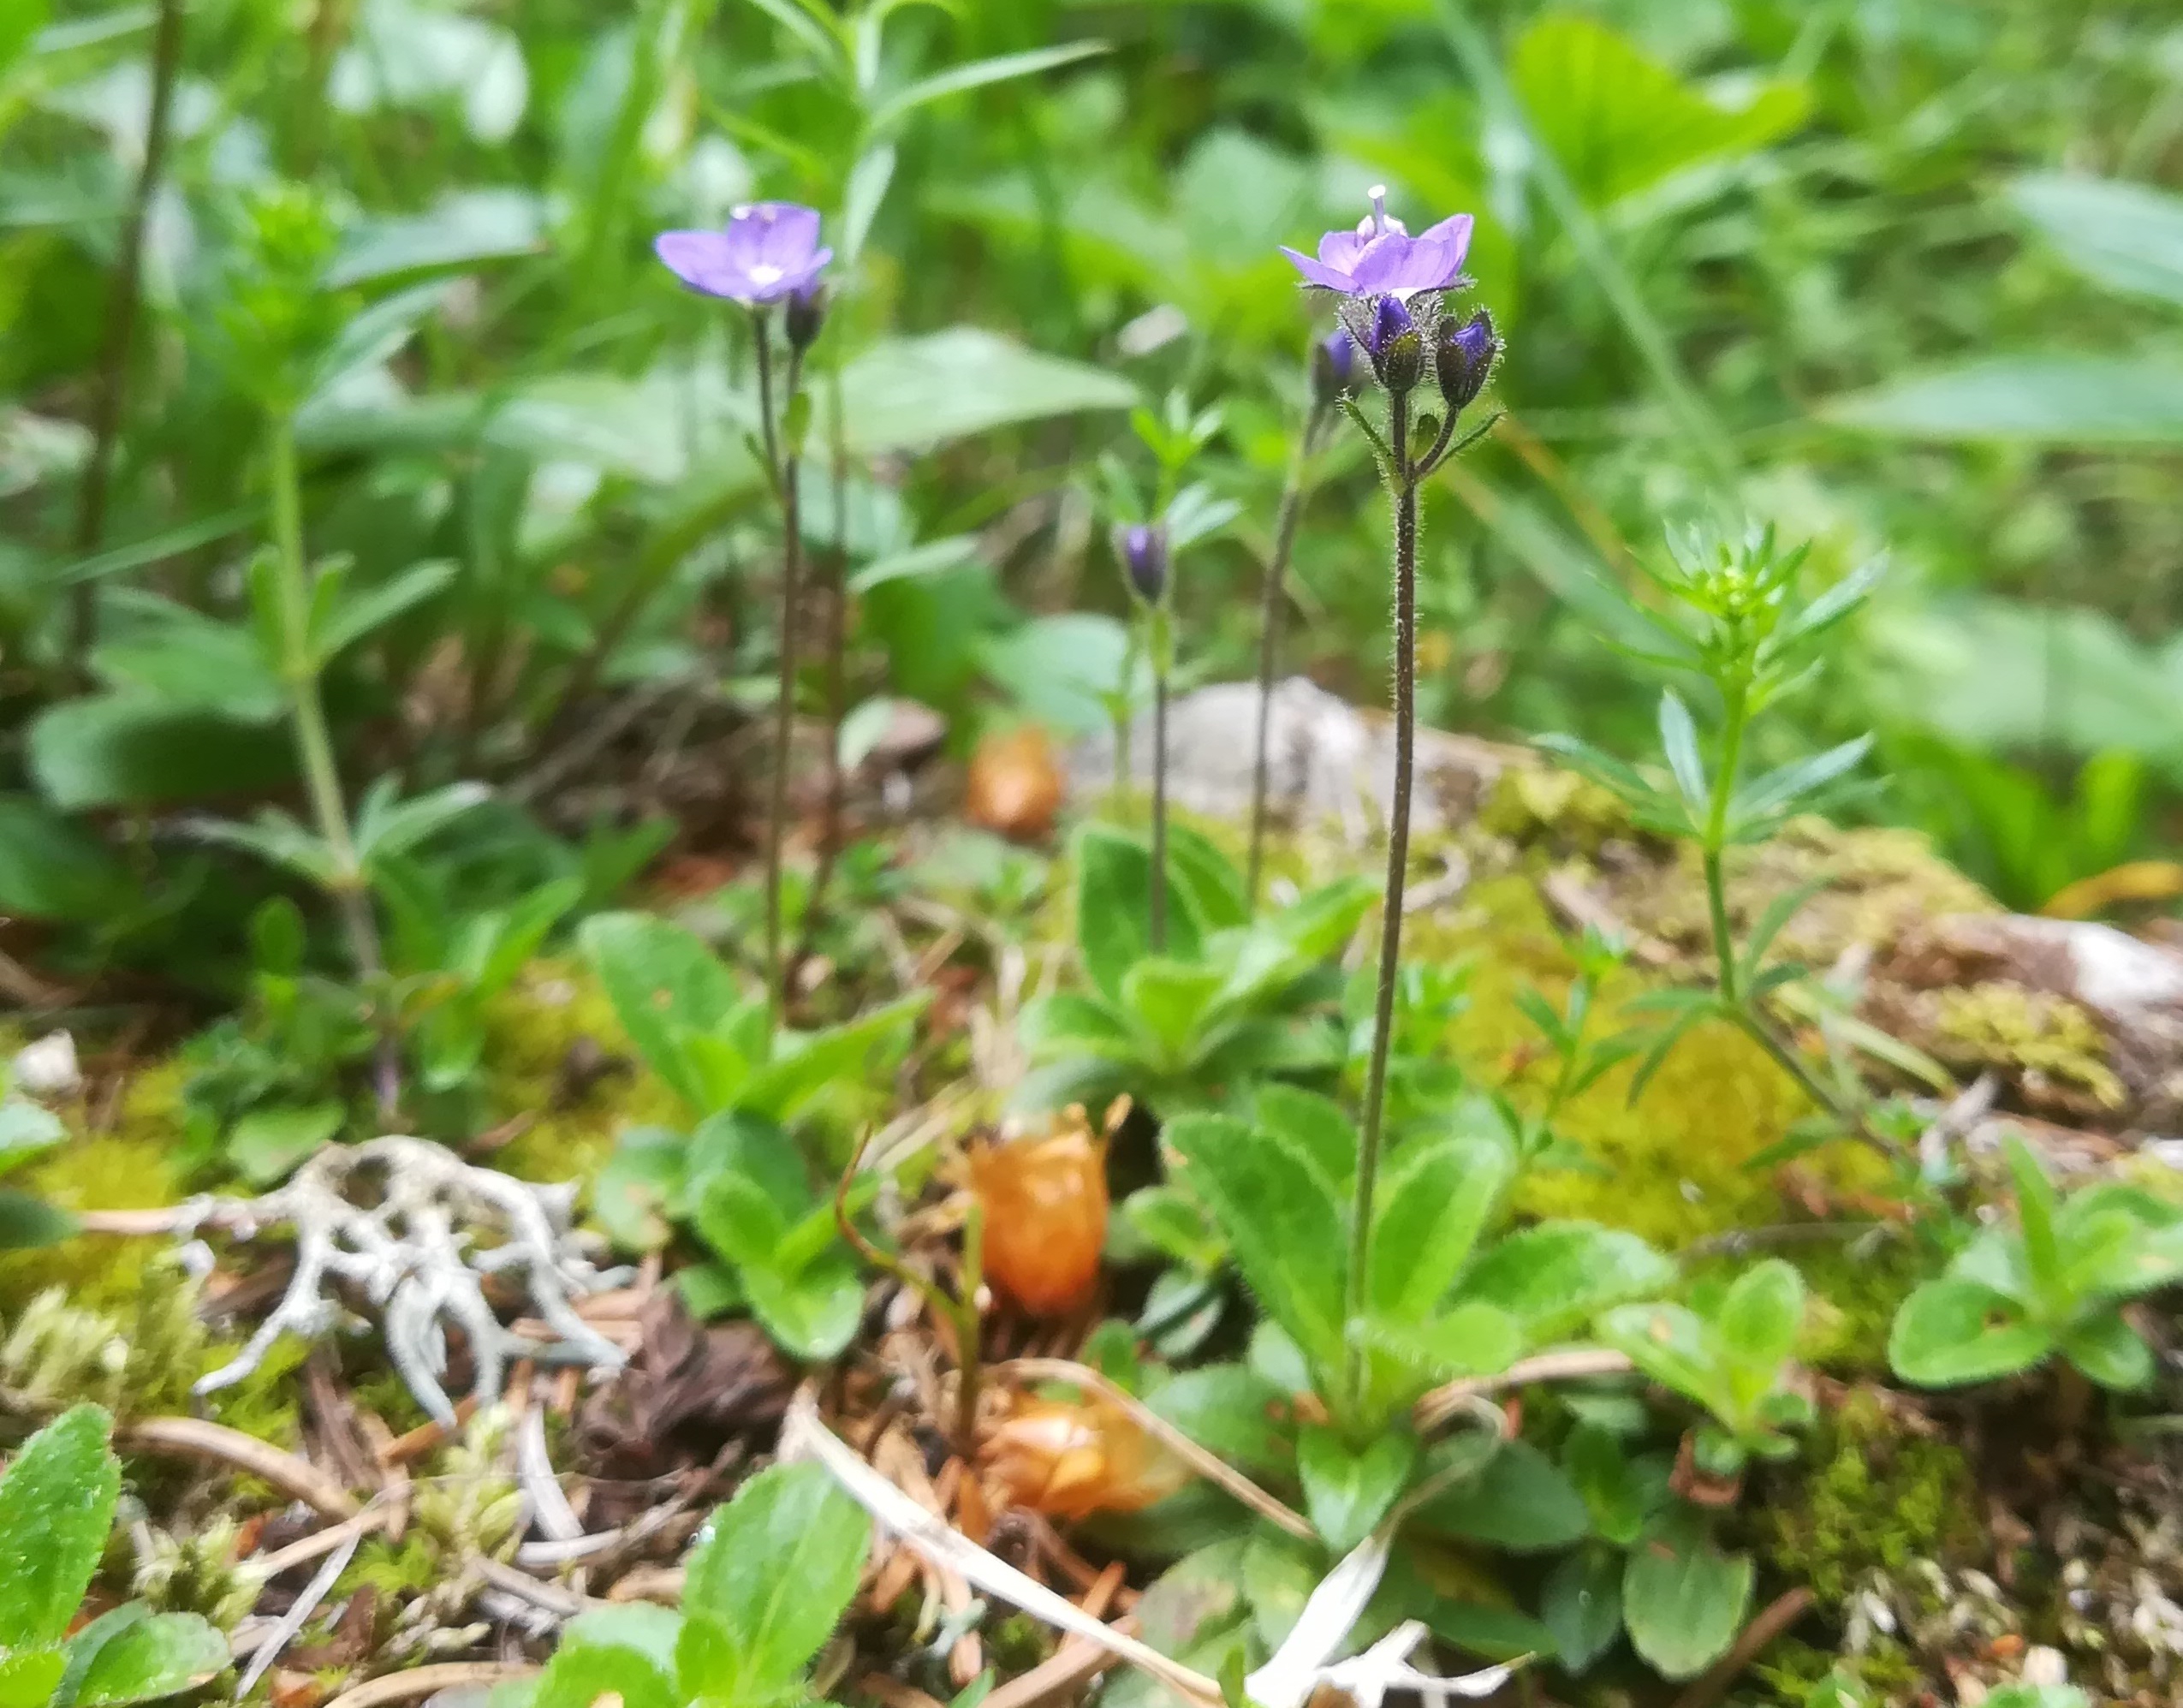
[[764, 272], [1378, 193]]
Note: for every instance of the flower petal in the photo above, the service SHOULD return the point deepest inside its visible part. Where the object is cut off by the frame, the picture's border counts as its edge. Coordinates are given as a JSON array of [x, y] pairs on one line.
[[703, 260], [780, 233], [1455, 232], [1389, 263], [1317, 273], [1339, 249]]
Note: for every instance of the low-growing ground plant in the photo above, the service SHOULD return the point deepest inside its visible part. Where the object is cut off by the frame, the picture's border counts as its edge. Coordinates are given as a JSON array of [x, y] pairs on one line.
[[57, 1499]]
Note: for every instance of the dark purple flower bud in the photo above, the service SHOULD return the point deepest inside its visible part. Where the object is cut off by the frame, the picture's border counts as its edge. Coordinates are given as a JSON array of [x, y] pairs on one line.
[[1143, 548], [1333, 366], [1394, 344], [1464, 360], [806, 314]]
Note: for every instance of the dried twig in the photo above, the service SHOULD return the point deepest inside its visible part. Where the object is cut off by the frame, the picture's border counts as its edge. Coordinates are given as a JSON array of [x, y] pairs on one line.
[[422, 1682], [194, 1438], [298, 1615], [322, 1543], [1791, 1606], [1445, 1402], [1075, 1662]]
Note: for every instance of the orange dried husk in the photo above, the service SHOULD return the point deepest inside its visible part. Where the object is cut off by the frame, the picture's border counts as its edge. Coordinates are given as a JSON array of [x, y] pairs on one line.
[[1015, 787], [1071, 1458], [1044, 1205]]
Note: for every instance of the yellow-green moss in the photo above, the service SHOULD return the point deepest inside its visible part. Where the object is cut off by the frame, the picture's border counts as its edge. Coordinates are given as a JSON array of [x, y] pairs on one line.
[[1677, 1162], [1535, 805], [555, 1008], [131, 1167], [2031, 1035], [1875, 1499]]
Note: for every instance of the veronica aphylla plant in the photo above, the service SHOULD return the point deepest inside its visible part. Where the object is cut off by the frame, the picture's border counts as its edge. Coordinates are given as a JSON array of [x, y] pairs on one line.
[[1393, 291], [769, 259]]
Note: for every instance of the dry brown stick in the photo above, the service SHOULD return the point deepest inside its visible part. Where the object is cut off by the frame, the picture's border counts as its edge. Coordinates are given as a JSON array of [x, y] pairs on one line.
[[1443, 1402], [1214, 1469], [1791, 1606], [1075, 1662], [407, 1449], [322, 1543], [194, 1438], [421, 1681]]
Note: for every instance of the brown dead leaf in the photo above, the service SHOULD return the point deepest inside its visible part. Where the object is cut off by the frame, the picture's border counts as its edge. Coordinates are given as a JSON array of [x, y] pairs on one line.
[[688, 1390]]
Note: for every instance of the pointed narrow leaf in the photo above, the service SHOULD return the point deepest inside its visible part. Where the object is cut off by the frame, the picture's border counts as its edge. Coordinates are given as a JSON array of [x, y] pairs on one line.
[[56, 1504]]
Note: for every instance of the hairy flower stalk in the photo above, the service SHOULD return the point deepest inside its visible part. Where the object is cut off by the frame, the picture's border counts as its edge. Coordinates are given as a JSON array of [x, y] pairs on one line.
[[1334, 361], [769, 254], [1393, 288], [1143, 548]]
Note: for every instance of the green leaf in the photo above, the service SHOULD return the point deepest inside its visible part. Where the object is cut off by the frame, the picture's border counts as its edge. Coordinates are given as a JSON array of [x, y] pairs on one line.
[[1621, 122], [1174, 1223], [637, 1189], [850, 1053], [912, 394], [1761, 802], [1234, 1412], [1581, 1605], [1622, 1491], [2111, 1352], [1169, 1000], [267, 1145], [581, 1672], [152, 1657], [860, 199], [1348, 1490], [1066, 1024], [2036, 1205], [1281, 1218], [1210, 878], [976, 74], [1315, 1125], [376, 334], [929, 559], [1669, 1344], [1555, 1277], [27, 1222], [136, 749], [663, 982], [775, 1570], [739, 1220], [1113, 888], [1062, 670], [29, 1678], [51, 868], [1432, 1207], [360, 615], [461, 229], [1679, 740], [1953, 1331], [2126, 237], [2036, 399], [56, 1504], [1757, 1322], [1468, 1340], [1683, 1599], [1521, 1501]]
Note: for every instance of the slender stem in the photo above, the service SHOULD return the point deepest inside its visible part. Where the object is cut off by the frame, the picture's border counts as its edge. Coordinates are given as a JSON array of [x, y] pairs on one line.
[[1737, 703], [122, 302], [1274, 606], [837, 646], [1158, 620], [314, 743], [784, 463], [1402, 489]]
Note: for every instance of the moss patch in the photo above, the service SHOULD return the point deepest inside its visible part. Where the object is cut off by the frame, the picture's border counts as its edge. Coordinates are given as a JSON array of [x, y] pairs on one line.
[[2052, 1046], [1874, 1498]]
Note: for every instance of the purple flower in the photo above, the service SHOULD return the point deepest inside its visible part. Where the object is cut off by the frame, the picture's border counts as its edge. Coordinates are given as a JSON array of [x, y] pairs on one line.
[[1396, 347], [1143, 548], [1464, 360], [1381, 256], [769, 251]]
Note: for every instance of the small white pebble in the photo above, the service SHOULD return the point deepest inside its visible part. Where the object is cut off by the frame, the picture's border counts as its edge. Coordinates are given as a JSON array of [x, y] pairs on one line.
[[47, 1068], [2043, 1666]]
